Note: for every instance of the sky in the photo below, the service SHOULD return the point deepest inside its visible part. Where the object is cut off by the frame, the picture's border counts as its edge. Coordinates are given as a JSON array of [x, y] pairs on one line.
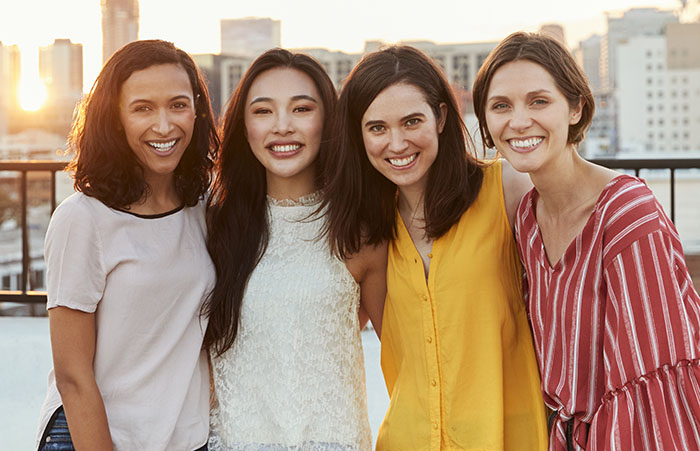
[[194, 25]]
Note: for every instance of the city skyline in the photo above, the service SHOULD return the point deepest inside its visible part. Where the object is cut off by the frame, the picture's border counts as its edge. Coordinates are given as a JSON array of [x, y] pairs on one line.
[[308, 23]]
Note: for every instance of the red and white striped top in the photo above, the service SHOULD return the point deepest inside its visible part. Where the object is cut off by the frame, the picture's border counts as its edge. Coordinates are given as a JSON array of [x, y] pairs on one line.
[[616, 325]]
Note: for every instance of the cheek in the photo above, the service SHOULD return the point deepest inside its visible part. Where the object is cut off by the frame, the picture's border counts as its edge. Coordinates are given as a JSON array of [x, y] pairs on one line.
[[254, 134]]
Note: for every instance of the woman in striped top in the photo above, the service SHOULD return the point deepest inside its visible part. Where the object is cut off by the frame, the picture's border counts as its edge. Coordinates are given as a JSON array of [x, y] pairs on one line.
[[615, 317]]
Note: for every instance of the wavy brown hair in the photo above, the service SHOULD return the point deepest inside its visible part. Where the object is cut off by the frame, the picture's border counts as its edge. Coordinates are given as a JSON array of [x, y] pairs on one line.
[[103, 164], [551, 56], [360, 201], [237, 221]]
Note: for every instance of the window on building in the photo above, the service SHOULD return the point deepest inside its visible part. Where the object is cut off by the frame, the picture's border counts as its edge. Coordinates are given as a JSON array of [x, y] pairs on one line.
[[650, 80], [661, 121]]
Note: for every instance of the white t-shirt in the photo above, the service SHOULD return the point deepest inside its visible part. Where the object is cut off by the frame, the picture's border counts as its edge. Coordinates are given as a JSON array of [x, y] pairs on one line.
[[145, 278]]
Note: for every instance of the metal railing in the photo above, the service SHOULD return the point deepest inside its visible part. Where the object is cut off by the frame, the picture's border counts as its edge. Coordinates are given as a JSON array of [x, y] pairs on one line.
[[638, 164], [27, 296]]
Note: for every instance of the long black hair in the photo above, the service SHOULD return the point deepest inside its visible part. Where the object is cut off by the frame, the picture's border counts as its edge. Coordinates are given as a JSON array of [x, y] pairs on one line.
[[237, 211], [360, 202]]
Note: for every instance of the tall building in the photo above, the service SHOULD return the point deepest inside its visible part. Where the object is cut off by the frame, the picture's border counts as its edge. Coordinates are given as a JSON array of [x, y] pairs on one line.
[[223, 73], [120, 24], [249, 36], [659, 92], [10, 70], [61, 70], [632, 23]]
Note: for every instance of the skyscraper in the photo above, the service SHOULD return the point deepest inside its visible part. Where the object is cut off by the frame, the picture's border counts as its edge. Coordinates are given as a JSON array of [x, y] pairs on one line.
[[9, 82], [61, 70], [249, 36], [120, 25]]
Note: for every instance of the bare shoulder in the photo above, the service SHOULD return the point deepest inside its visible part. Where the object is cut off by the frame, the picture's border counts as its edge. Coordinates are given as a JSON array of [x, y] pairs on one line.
[[515, 185], [370, 257]]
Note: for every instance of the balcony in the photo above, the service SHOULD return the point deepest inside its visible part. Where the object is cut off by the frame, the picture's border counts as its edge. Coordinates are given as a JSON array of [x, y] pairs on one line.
[[22, 272]]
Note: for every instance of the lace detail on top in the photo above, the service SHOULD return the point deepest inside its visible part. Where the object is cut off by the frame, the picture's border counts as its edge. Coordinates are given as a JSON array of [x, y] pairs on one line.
[[309, 199], [294, 379]]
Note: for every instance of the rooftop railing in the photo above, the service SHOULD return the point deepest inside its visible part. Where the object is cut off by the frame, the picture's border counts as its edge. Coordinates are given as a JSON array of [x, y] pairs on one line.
[[27, 295]]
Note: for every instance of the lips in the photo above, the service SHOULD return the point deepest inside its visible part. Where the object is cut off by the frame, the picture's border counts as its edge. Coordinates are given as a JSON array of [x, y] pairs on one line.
[[285, 148], [163, 147], [525, 144], [402, 162]]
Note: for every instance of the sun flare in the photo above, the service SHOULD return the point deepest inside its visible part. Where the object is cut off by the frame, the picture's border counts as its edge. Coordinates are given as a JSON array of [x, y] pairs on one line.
[[32, 94]]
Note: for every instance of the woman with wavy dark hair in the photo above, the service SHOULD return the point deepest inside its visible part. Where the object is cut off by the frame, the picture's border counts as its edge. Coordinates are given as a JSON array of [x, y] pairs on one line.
[[127, 264], [457, 353], [615, 317], [284, 332]]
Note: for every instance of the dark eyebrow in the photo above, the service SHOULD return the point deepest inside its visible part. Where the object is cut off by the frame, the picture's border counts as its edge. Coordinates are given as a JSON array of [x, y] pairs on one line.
[[529, 94], [179, 97], [295, 98], [405, 118]]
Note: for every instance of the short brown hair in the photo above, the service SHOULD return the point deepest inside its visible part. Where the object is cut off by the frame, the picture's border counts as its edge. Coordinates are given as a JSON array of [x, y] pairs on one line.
[[555, 59]]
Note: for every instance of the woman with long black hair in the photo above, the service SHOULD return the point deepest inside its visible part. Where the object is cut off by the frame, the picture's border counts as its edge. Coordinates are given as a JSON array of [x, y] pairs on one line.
[[284, 329]]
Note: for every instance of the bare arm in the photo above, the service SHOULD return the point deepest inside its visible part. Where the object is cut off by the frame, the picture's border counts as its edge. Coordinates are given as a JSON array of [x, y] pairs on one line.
[[73, 347], [368, 267], [515, 185]]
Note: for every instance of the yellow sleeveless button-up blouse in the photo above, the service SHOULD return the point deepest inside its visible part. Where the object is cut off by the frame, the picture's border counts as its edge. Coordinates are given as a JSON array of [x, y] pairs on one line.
[[457, 351]]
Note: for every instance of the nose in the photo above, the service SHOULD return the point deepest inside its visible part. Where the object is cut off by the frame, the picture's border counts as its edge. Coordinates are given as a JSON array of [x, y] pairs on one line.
[[283, 124], [397, 142], [163, 125], [520, 120]]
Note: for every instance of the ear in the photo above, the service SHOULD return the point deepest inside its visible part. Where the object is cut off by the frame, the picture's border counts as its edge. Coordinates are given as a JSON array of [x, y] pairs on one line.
[[443, 117], [575, 113]]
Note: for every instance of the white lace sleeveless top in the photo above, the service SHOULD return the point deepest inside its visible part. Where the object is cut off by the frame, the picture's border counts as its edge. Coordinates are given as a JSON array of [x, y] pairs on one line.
[[294, 378]]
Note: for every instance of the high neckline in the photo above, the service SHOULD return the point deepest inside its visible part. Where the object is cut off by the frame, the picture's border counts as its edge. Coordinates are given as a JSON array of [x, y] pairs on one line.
[[303, 201]]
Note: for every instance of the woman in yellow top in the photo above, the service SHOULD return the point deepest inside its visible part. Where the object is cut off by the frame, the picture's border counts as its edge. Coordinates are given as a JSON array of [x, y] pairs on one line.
[[457, 352]]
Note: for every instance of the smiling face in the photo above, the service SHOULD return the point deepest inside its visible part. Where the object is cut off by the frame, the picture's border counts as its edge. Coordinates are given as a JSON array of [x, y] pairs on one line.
[[528, 117], [157, 113], [284, 124], [400, 133]]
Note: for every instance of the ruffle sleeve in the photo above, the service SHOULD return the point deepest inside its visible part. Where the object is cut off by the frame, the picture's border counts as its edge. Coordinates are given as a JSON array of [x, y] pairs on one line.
[[651, 351]]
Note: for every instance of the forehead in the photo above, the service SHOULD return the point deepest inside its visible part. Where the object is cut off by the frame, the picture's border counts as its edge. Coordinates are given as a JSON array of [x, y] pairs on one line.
[[282, 83], [521, 76], [169, 80], [397, 100]]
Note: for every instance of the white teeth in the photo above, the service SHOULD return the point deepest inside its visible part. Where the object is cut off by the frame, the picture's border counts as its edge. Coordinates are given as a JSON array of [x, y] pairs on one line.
[[162, 147], [286, 148], [403, 161], [525, 143]]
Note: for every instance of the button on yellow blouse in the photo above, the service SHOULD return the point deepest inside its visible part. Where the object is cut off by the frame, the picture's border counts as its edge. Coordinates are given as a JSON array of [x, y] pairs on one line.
[[457, 352]]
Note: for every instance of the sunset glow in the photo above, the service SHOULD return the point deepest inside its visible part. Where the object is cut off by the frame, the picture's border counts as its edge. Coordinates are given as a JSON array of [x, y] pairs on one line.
[[32, 94]]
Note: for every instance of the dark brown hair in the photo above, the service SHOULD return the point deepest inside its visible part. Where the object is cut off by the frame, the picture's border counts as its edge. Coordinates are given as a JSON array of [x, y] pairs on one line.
[[360, 201], [237, 211], [555, 59], [103, 164]]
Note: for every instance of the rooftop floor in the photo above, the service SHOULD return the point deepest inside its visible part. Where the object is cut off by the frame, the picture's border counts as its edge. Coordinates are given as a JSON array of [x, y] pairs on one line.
[[25, 354]]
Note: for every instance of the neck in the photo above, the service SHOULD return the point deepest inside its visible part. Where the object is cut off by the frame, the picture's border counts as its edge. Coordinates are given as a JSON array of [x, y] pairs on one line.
[[161, 197], [281, 188], [411, 203], [561, 185]]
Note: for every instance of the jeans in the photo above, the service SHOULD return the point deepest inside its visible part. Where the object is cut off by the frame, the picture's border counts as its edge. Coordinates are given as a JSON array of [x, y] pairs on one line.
[[57, 436]]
